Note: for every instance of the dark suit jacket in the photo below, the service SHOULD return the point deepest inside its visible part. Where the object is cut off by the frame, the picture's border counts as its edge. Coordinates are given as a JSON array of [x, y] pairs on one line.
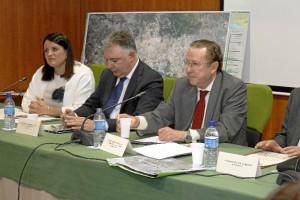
[[227, 106], [143, 79], [289, 134]]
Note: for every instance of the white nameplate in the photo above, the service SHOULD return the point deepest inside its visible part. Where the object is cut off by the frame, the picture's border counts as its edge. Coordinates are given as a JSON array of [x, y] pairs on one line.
[[116, 145], [29, 127], [238, 165]]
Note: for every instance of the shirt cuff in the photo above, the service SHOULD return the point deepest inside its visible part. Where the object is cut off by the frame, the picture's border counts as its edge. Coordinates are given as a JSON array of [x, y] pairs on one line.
[[195, 135], [143, 123]]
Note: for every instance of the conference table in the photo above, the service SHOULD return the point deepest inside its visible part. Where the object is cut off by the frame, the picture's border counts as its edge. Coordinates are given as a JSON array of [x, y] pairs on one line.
[[82, 176]]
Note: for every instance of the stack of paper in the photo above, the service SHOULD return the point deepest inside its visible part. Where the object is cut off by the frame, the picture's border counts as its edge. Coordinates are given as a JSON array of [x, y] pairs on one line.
[[161, 151], [148, 140], [267, 158]]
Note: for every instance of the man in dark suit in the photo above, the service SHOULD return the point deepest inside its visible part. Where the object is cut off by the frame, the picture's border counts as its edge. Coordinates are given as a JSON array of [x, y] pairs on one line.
[[123, 66], [225, 101], [288, 139]]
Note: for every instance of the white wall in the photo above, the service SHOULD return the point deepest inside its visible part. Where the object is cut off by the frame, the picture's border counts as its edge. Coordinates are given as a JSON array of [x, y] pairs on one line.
[[273, 48]]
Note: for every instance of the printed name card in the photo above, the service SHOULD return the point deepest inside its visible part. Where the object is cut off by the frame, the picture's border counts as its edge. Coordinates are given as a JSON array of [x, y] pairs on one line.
[[29, 127], [116, 145], [238, 165]]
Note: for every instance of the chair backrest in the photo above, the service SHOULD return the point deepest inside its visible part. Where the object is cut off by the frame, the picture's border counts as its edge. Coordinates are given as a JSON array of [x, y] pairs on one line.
[[259, 108], [168, 86], [97, 70]]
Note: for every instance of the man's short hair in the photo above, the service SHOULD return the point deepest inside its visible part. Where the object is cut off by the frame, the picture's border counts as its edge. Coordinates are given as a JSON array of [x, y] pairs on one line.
[[121, 38], [214, 52]]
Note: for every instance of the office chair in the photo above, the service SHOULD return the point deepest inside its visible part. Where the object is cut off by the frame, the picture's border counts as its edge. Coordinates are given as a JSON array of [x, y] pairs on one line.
[[168, 86], [259, 108], [97, 70]]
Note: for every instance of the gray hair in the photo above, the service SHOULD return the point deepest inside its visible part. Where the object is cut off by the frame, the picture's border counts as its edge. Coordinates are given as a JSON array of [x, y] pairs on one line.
[[122, 38]]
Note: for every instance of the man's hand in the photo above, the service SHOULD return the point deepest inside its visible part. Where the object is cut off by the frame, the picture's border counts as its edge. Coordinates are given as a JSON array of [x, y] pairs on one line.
[[292, 150], [70, 120], [135, 121], [64, 116], [170, 135], [270, 145], [74, 122]]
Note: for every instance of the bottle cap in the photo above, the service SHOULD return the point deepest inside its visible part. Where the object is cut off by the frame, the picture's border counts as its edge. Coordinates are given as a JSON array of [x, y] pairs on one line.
[[8, 95], [212, 123]]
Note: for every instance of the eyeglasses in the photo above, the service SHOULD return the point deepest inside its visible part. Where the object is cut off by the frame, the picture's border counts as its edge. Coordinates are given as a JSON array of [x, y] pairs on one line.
[[194, 65]]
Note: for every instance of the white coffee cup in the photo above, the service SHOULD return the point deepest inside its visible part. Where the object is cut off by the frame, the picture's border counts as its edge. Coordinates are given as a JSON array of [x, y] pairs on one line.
[[33, 116], [197, 153], [125, 127]]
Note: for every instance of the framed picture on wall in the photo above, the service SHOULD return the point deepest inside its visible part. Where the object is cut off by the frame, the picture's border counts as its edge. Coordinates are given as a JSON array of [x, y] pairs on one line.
[[162, 38]]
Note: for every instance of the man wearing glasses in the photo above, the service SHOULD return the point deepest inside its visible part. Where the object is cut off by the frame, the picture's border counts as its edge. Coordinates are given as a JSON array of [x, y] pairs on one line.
[[224, 101]]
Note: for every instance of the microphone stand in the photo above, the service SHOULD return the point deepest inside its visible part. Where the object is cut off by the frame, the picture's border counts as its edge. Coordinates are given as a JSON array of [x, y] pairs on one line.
[[19, 81], [81, 136], [138, 95]]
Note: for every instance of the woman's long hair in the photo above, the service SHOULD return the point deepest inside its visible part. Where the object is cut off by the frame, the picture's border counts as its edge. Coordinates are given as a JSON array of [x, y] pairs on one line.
[[62, 40]]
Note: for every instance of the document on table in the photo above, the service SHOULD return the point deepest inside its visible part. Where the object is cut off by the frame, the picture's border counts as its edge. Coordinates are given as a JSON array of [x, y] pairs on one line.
[[153, 168], [148, 140], [161, 151], [21, 114], [56, 128], [267, 158]]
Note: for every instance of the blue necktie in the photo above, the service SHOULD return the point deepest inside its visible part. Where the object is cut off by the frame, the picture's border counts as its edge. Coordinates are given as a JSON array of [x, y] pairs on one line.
[[114, 98]]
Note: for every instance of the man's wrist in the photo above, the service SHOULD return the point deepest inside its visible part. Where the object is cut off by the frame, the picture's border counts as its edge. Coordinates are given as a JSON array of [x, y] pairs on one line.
[[191, 135], [142, 125], [188, 138], [137, 122]]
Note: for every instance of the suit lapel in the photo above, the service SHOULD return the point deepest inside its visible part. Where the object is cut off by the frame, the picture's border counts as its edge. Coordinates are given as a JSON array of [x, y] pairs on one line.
[[134, 82], [188, 104], [213, 98]]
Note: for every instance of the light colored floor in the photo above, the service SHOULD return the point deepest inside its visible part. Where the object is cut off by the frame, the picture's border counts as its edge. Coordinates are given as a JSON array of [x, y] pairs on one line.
[[9, 191]]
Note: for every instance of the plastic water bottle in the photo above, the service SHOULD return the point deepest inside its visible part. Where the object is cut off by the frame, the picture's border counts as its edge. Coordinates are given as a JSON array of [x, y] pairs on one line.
[[9, 113], [211, 140], [99, 127]]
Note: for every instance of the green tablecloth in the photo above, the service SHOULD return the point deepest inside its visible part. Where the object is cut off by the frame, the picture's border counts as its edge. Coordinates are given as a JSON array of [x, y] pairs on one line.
[[67, 176]]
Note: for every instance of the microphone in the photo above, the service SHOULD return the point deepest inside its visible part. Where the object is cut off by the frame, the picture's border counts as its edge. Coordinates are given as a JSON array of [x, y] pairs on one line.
[[82, 137], [122, 102], [19, 81]]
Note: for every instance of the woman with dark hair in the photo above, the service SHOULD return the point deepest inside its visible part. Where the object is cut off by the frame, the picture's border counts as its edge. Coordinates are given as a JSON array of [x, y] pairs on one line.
[[62, 82]]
